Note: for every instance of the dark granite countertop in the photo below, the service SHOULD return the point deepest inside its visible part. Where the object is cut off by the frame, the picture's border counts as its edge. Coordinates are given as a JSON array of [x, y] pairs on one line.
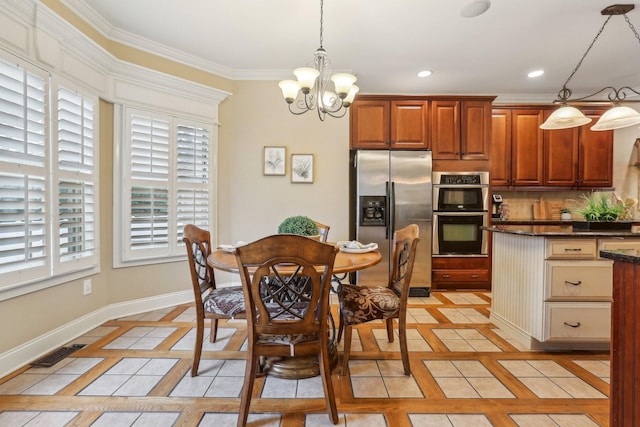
[[625, 255], [555, 231]]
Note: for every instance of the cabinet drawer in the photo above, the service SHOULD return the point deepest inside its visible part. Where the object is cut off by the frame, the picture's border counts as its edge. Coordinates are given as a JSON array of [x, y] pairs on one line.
[[579, 280], [460, 275], [577, 321], [615, 244], [571, 249]]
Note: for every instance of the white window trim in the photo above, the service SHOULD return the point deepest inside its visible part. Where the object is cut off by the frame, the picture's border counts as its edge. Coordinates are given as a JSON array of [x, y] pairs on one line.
[[27, 280], [122, 255]]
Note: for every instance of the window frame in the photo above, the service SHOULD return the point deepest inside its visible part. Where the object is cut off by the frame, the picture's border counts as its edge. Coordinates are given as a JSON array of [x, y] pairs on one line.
[[52, 271], [123, 254]]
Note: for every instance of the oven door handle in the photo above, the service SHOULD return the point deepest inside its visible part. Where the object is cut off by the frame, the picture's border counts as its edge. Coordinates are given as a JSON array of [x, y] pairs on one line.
[[457, 213]]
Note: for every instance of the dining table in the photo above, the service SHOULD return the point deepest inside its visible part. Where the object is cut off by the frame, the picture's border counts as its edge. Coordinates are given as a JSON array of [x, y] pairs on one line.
[[346, 261]]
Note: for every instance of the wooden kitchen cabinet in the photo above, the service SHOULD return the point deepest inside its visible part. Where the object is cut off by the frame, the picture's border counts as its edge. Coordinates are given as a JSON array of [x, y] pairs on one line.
[[517, 147], [578, 157], [390, 124], [460, 129], [451, 273]]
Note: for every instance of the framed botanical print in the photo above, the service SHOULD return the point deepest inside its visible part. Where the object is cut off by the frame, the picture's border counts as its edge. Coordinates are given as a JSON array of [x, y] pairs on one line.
[[274, 161], [302, 168]]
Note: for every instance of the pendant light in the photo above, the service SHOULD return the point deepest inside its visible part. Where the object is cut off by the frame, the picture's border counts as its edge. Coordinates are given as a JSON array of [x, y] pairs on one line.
[[620, 116], [314, 83]]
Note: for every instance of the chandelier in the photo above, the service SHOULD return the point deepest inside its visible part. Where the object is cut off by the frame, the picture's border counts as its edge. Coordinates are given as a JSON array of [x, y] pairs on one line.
[[617, 117], [314, 83]]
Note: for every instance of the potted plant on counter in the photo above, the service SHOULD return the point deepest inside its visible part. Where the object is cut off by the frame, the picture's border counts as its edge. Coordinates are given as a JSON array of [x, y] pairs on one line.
[[299, 224], [600, 213]]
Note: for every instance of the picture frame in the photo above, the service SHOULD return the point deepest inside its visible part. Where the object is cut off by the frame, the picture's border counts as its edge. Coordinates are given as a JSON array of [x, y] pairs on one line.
[[274, 161], [302, 168]]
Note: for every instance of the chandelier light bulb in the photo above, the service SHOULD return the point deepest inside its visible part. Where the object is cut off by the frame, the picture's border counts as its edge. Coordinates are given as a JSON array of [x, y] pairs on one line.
[[350, 96], [343, 83], [306, 78], [289, 89]]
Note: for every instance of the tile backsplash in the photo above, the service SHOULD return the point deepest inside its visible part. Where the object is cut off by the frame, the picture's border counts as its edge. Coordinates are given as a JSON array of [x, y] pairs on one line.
[[521, 203]]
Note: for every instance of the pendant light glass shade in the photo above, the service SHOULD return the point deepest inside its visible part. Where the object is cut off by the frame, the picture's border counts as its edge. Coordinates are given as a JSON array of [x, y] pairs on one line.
[[616, 118], [565, 117]]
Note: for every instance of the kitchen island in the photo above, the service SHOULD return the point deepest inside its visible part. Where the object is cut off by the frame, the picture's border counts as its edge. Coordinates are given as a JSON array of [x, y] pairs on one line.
[[625, 338], [551, 290]]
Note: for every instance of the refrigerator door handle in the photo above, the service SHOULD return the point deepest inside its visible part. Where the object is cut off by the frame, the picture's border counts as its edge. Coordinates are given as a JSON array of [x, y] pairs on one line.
[[392, 210]]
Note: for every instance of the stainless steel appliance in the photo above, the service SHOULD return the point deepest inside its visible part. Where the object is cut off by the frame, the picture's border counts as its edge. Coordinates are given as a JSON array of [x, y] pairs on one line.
[[461, 207], [393, 190]]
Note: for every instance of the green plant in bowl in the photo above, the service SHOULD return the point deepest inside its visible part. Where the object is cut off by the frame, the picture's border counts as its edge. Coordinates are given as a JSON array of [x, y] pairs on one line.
[[599, 207], [298, 224]]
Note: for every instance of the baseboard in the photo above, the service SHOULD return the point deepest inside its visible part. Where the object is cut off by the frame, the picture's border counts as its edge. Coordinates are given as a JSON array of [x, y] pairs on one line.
[[19, 356]]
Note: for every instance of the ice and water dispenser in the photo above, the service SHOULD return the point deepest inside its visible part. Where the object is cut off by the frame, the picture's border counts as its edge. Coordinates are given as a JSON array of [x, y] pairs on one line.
[[373, 210]]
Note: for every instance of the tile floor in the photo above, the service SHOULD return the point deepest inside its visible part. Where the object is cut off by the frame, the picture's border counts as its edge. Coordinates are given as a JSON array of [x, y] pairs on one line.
[[135, 371]]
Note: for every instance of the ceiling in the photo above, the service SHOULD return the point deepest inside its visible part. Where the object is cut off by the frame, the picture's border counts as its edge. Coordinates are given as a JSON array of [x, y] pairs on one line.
[[386, 42]]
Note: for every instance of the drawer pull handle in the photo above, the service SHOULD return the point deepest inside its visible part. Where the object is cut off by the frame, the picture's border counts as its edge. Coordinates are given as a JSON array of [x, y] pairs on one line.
[[572, 249], [446, 276], [474, 276], [577, 325], [578, 283]]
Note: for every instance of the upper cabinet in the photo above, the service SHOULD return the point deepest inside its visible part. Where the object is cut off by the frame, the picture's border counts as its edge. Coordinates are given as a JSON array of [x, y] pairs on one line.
[[453, 127], [516, 151], [384, 124], [460, 129], [525, 155]]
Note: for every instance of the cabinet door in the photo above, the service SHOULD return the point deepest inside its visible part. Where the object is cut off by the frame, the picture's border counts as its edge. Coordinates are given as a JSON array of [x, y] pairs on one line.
[[475, 138], [445, 129], [560, 156], [370, 124], [595, 157], [409, 124], [501, 147], [527, 145]]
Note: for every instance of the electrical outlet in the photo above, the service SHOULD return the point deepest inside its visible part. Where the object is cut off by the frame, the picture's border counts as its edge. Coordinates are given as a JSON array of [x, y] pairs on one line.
[[86, 287]]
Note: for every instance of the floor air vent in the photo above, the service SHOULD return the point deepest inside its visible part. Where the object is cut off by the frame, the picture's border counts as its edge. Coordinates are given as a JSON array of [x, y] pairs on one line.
[[419, 292], [56, 356]]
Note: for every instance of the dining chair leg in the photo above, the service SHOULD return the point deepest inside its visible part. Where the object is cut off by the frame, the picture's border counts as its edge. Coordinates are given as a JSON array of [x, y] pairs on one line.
[[347, 349], [340, 328], [389, 323], [247, 388], [404, 349], [213, 335], [327, 384], [197, 349]]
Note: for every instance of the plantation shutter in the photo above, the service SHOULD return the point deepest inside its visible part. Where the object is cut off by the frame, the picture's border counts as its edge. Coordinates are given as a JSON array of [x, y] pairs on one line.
[[149, 193], [76, 179], [24, 218], [193, 177]]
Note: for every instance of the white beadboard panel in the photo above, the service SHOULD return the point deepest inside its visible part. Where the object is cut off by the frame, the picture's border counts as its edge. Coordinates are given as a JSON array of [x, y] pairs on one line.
[[518, 281]]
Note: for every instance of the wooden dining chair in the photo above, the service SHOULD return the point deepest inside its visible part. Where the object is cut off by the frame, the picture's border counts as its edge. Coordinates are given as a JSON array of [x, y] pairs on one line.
[[360, 304], [323, 230], [211, 302], [286, 283]]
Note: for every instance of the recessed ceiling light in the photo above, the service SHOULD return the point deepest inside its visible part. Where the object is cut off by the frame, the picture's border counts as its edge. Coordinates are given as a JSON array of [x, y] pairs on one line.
[[475, 8], [535, 73], [425, 73]]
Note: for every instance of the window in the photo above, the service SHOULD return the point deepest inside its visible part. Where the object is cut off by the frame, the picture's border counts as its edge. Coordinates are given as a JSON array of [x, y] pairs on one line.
[[48, 177], [166, 183]]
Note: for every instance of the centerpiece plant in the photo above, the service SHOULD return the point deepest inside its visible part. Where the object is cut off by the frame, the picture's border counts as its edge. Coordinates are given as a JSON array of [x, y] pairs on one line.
[[599, 207], [298, 224]]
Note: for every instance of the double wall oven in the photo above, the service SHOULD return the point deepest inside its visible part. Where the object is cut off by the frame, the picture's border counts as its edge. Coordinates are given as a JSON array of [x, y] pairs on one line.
[[460, 208]]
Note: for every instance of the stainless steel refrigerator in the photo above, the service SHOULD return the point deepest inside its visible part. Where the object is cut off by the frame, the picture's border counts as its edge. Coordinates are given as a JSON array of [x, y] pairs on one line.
[[393, 190]]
